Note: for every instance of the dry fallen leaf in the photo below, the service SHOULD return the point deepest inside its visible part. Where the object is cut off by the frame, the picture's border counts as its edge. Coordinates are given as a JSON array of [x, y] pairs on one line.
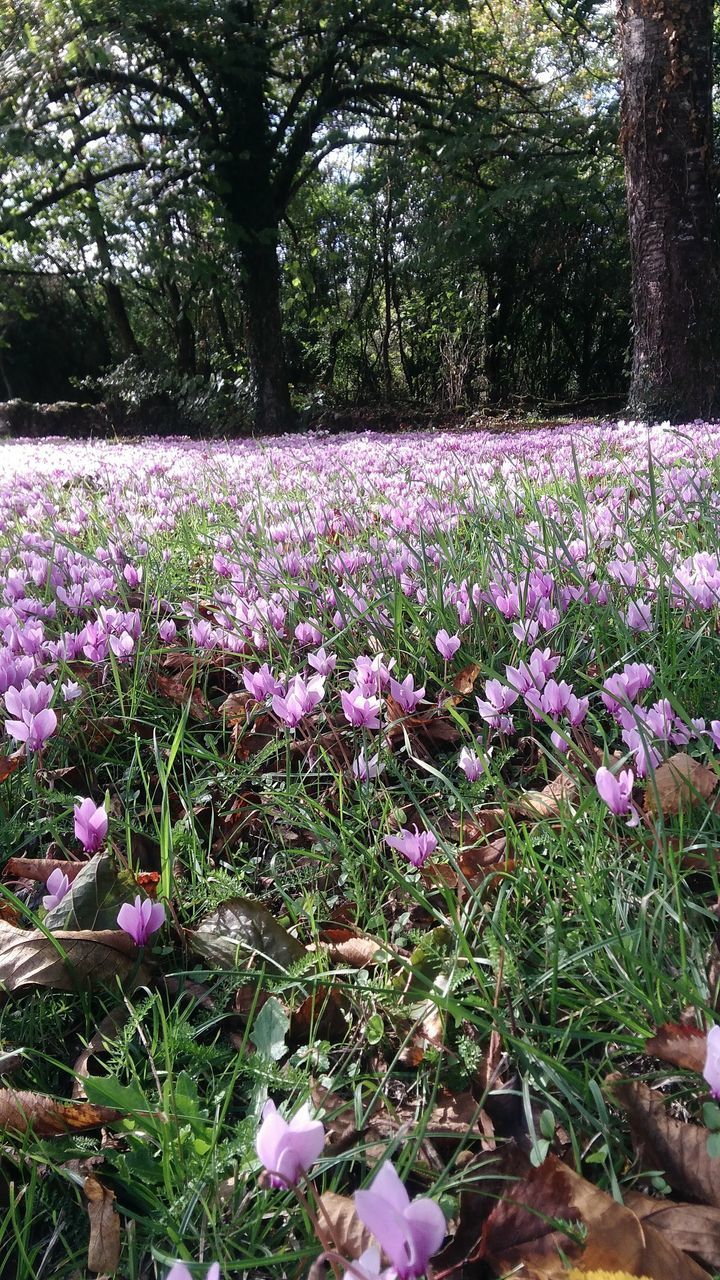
[[354, 949], [104, 1036], [182, 691], [21, 1112], [559, 794], [104, 1244], [530, 1233], [682, 1046], [662, 1143], [41, 868], [8, 764], [693, 1228], [65, 961], [340, 1227], [679, 783]]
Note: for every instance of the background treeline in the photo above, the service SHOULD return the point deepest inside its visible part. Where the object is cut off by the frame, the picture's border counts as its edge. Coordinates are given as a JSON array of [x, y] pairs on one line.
[[387, 202]]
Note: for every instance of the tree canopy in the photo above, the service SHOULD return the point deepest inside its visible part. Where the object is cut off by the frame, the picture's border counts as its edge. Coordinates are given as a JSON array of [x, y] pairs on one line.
[[271, 209]]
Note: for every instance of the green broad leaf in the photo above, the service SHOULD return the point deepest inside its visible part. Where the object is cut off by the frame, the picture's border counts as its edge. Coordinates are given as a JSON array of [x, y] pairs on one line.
[[95, 897], [711, 1115], [713, 1145], [547, 1125], [539, 1152], [270, 1030], [106, 1091], [375, 1029], [241, 928]]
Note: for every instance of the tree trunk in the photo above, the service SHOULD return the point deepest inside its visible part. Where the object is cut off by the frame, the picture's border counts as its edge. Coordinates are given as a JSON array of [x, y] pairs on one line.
[[117, 310], [253, 215], [264, 336], [667, 140]]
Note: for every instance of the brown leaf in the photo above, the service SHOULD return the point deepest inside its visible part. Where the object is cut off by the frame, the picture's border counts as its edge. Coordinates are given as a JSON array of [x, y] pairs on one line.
[[236, 707], [679, 783], [66, 961], [8, 764], [464, 681], [525, 1231], [181, 690], [340, 1227], [42, 868], [682, 1046], [480, 861], [559, 794], [104, 1244], [356, 950], [693, 1228], [677, 1149], [21, 1112], [320, 1014]]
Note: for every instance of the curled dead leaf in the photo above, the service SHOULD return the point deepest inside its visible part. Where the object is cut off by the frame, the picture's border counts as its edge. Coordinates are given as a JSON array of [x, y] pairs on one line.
[[42, 868], [21, 1112], [677, 1149], [104, 1243], [682, 1046], [693, 1228], [340, 1228], [679, 783], [66, 961]]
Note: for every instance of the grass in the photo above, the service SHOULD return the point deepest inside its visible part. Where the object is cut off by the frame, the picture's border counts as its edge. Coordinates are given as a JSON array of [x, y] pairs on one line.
[[596, 934]]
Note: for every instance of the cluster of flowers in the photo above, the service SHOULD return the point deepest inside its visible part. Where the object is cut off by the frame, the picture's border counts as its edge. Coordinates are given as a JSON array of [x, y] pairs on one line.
[[407, 1231]]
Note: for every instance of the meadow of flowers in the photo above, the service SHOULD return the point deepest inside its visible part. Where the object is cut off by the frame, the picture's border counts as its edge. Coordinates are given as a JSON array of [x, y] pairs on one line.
[[359, 854]]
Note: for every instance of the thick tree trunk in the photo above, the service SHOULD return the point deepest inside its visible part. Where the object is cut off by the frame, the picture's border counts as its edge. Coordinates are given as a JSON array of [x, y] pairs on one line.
[[253, 215], [117, 310], [264, 336], [666, 48]]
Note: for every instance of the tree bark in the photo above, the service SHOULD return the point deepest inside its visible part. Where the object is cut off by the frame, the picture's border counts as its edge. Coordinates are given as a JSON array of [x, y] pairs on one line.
[[254, 218], [117, 310], [667, 140]]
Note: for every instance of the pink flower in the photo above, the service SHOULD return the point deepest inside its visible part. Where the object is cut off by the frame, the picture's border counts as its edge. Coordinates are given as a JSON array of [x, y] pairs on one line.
[[471, 764], [639, 616], [58, 884], [287, 1150], [359, 710], [167, 631], [369, 1266], [405, 693], [262, 684], [132, 575], [141, 918], [91, 824], [498, 699], [366, 770], [322, 662], [711, 1070], [180, 1272], [447, 646], [415, 845], [299, 700], [34, 720], [70, 690], [410, 1232], [616, 792]]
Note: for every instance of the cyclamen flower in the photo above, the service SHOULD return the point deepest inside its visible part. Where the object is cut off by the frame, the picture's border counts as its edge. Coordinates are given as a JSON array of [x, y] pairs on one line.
[[405, 693], [70, 690], [59, 885], [366, 770], [34, 721], [447, 646], [369, 1266], [167, 631], [322, 662], [360, 711], [180, 1272], [261, 684], [711, 1070], [616, 791], [91, 824], [141, 918], [498, 699], [471, 764], [639, 616], [299, 700], [415, 845], [409, 1232], [288, 1149]]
